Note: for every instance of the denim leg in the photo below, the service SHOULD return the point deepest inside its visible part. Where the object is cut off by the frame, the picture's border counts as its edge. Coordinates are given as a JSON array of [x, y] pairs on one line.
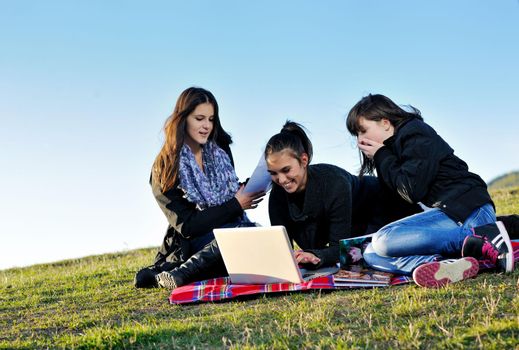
[[403, 245], [403, 265]]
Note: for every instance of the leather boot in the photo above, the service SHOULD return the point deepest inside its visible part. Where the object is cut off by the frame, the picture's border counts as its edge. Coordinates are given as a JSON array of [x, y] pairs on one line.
[[205, 264], [511, 223]]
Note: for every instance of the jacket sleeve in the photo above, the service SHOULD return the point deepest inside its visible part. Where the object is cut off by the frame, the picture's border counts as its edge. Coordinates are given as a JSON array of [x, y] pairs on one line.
[[338, 210], [187, 219], [411, 172]]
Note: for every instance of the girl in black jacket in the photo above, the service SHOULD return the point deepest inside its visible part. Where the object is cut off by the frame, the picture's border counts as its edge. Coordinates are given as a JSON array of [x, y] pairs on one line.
[[412, 160], [194, 183]]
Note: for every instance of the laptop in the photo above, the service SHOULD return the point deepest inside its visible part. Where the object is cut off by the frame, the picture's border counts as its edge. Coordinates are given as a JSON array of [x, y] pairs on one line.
[[262, 255]]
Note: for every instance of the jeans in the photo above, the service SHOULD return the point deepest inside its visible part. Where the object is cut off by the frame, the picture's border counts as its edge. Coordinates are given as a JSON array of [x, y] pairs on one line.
[[405, 244]]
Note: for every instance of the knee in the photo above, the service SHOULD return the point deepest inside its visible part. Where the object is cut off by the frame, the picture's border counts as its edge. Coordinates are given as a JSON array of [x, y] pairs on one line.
[[380, 241]]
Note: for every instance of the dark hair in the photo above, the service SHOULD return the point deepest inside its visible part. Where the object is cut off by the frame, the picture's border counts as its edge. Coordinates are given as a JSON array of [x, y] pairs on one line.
[[375, 108], [291, 137], [165, 167]]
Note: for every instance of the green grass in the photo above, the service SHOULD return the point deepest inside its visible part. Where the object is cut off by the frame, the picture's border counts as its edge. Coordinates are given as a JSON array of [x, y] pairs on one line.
[[91, 303]]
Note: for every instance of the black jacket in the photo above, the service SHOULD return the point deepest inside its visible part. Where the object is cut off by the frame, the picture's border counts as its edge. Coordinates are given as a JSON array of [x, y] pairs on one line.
[[186, 222], [421, 167], [326, 214]]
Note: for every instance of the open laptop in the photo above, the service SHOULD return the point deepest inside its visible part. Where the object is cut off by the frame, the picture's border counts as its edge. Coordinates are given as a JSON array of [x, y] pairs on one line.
[[262, 255]]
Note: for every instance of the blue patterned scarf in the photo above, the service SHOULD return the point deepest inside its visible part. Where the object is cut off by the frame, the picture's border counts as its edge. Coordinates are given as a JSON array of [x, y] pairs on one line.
[[217, 185]]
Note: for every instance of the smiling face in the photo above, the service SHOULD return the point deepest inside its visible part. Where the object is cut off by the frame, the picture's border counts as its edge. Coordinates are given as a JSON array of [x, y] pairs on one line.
[[375, 130], [287, 171], [199, 125]]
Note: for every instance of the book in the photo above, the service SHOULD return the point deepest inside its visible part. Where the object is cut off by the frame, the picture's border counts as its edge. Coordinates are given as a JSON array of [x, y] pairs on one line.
[[351, 250], [361, 275], [354, 272]]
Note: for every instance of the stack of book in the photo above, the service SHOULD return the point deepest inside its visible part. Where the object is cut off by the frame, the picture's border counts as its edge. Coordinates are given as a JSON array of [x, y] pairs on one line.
[[354, 273], [358, 276]]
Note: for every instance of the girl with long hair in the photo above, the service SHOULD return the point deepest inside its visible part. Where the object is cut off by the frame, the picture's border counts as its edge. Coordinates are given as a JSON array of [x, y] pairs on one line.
[[194, 183]]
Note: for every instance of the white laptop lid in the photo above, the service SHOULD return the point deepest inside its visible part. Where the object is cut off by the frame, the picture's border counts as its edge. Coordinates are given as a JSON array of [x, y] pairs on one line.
[[258, 255]]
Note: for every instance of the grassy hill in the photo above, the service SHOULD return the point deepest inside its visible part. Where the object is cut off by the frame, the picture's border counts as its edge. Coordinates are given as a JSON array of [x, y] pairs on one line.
[[91, 303], [510, 179]]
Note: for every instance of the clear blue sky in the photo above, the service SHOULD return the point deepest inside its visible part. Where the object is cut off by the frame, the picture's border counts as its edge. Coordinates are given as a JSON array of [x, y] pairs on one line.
[[85, 87]]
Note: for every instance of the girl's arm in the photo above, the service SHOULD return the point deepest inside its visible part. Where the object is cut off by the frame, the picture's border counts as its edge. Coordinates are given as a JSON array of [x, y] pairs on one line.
[[187, 219], [411, 172]]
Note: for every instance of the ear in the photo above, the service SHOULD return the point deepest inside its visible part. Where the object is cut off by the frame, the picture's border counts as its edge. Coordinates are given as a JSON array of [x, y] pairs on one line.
[[304, 160], [386, 124]]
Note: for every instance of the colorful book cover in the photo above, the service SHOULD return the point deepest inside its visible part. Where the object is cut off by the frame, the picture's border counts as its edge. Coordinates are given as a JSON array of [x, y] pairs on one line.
[[351, 250]]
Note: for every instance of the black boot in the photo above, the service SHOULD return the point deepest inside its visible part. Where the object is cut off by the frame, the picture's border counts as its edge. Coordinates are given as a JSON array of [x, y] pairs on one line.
[[205, 264], [146, 277], [511, 223]]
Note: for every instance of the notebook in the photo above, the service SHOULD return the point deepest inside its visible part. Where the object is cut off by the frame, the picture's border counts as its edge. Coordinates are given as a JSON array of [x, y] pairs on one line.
[[262, 255]]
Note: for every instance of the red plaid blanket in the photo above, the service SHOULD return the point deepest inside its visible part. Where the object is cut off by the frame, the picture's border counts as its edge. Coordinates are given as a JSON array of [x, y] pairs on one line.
[[221, 289]]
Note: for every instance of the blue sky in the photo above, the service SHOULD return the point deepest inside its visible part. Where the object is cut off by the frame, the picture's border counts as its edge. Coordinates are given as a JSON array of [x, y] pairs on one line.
[[86, 86]]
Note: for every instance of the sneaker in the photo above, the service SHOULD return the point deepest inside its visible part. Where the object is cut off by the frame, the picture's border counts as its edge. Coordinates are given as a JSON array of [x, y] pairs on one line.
[[166, 280], [490, 242], [440, 273]]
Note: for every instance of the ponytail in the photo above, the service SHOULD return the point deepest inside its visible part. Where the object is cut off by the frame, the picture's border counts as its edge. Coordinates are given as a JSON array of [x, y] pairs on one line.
[[291, 137]]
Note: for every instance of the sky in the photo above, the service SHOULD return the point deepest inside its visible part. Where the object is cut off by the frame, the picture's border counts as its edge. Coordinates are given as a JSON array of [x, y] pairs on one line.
[[85, 88]]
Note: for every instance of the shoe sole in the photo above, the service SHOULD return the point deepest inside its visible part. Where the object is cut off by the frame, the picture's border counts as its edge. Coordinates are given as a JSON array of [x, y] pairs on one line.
[[438, 274], [165, 280]]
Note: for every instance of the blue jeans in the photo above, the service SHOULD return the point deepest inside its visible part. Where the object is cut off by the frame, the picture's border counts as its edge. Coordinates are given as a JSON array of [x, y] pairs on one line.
[[401, 246]]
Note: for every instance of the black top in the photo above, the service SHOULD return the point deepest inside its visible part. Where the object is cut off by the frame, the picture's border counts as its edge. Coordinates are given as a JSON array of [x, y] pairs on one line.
[[326, 215], [420, 166], [186, 221]]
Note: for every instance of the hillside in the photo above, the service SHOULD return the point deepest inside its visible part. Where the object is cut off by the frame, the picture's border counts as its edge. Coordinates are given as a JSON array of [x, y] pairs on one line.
[[91, 303], [510, 179]]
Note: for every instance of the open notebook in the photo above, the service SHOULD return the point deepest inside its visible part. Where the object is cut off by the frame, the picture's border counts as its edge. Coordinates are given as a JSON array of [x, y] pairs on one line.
[[262, 255]]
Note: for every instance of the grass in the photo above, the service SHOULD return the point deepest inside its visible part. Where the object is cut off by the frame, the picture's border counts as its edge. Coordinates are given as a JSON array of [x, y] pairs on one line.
[[91, 303]]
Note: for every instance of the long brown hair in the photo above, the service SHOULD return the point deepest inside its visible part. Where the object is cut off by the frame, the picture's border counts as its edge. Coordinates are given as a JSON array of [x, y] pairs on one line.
[[165, 167]]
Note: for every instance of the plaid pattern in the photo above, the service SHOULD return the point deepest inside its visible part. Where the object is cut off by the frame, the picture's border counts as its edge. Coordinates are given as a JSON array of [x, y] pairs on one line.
[[221, 289]]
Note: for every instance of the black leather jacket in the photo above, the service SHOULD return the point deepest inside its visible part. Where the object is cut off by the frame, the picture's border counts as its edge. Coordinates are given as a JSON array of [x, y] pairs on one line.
[[421, 167]]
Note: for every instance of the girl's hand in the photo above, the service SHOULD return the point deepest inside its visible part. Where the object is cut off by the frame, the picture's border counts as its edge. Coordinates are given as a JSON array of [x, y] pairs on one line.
[[368, 147], [249, 200], [306, 258]]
